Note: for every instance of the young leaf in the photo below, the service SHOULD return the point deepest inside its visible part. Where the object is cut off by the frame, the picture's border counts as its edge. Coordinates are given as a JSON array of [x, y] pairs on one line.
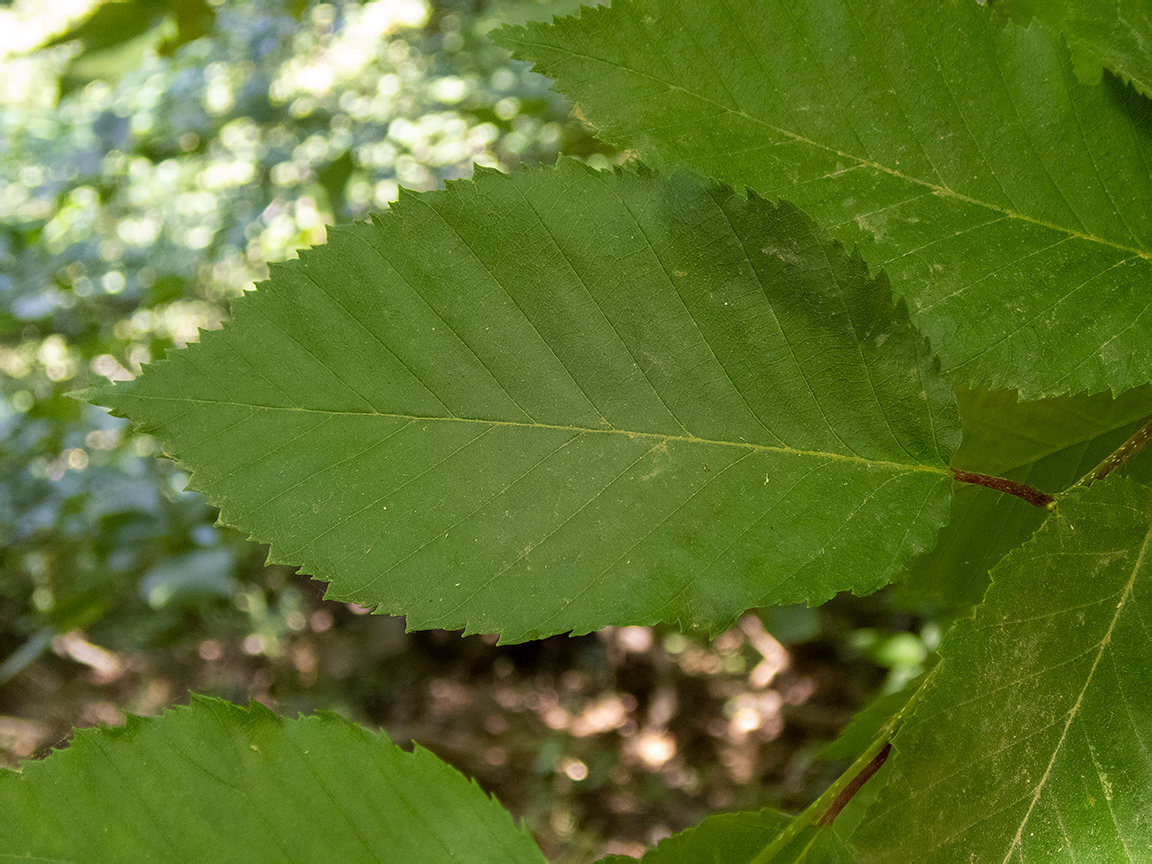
[[1031, 742], [564, 399], [1011, 203], [1049, 444], [217, 782]]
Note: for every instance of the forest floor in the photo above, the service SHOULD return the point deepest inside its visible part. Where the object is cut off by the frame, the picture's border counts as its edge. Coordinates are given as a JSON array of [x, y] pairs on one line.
[[603, 743]]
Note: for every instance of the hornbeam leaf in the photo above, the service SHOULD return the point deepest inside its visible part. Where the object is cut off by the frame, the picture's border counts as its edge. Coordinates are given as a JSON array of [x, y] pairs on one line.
[[740, 838], [1010, 203], [564, 400], [217, 782], [1049, 445], [1114, 35], [728, 837], [1033, 741]]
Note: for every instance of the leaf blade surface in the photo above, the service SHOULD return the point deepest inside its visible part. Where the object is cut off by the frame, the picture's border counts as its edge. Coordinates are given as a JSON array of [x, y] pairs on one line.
[[1011, 203], [1109, 35], [1047, 444], [1039, 710], [217, 782], [739, 838], [564, 400]]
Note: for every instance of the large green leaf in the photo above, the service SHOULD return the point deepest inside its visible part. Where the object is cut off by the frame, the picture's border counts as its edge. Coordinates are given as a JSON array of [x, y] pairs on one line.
[[1032, 741], [564, 400], [1116, 35], [1049, 445], [1011, 203], [216, 782]]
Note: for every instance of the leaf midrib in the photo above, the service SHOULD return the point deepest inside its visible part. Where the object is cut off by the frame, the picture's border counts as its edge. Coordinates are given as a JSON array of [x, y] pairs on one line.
[[655, 436], [861, 162]]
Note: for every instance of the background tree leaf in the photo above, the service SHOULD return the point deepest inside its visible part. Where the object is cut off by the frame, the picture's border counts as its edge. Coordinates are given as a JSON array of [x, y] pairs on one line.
[[217, 782], [1049, 445], [115, 36], [1032, 740], [564, 400], [1011, 203]]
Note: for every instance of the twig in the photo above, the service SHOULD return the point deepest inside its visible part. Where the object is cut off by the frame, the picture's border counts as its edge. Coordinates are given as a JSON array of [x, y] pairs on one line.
[[1120, 455], [1033, 496], [838, 795]]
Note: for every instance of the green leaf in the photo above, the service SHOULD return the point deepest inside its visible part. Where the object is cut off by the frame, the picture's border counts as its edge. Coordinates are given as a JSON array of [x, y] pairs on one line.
[[868, 723], [1031, 742], [727, 837], [738, 838], [1049, 445], [217, 782], [112, 24], [1011, 204], [1114, 35], [564, 399], [521, 11]]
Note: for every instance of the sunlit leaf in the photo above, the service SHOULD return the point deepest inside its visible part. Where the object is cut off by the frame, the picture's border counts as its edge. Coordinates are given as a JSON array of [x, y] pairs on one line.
[[116, 35], [112, 24], [564, 400], [1010, 202], [216, 782]]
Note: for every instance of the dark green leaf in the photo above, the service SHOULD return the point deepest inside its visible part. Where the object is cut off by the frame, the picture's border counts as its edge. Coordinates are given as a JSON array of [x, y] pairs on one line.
[[738, 838], [865, 726], [1011, 203], [216, 782], [1049, 445], [1032, 741], [727, 837], [1116, 35], [564, 400]]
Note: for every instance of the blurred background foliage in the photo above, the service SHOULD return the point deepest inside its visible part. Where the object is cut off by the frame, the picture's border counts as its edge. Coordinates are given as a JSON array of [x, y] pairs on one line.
[[155, 155]]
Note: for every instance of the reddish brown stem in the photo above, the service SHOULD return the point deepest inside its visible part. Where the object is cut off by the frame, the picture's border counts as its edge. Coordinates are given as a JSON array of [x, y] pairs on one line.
[[1033, 496], [847, 793]]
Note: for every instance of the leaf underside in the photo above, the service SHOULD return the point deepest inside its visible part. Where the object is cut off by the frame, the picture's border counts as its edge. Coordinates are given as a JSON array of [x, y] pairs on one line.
[[1010, 203], [1033, 740], [564, 400], [217, 782]]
